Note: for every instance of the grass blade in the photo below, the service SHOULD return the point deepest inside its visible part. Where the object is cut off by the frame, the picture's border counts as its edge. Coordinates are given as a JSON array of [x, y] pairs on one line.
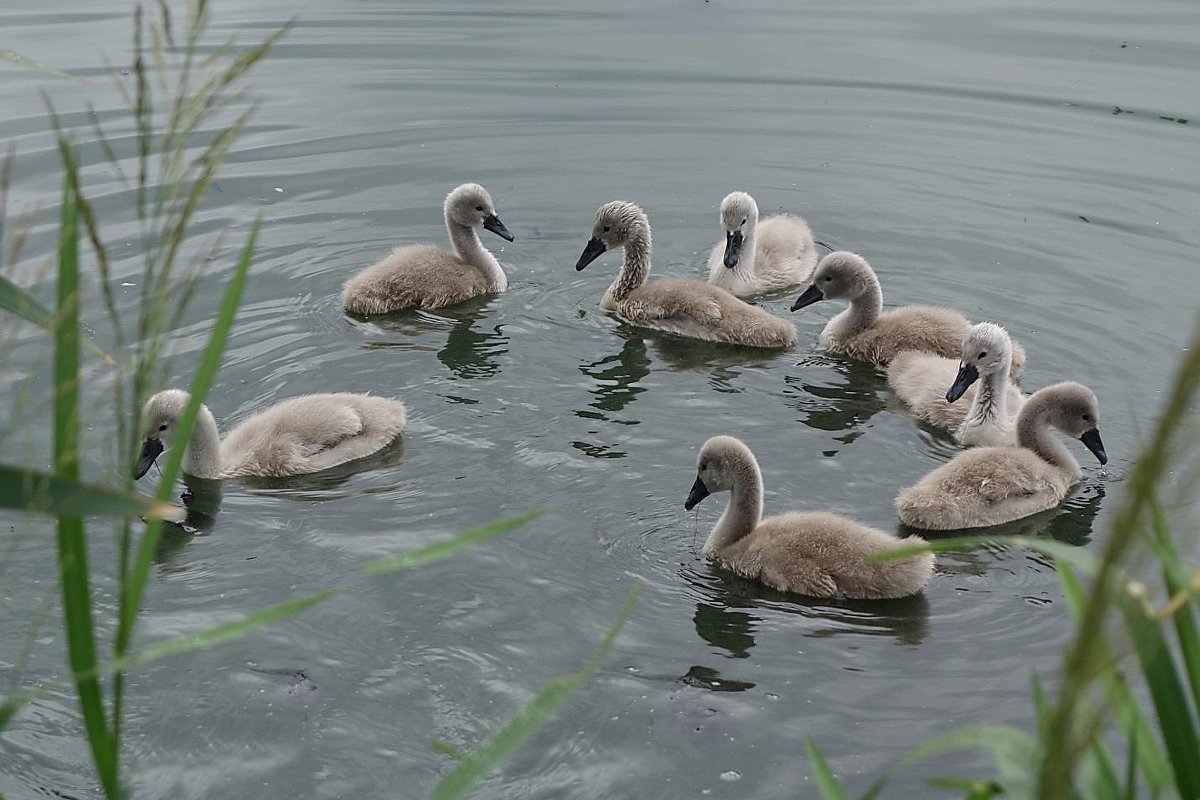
[[20, 302], [39, 493], [1167, 694], [29, 63], [827, 784], [72, 546], [134, 586], [1178, 585], [440, 550], [1071, 554], [478, 763]]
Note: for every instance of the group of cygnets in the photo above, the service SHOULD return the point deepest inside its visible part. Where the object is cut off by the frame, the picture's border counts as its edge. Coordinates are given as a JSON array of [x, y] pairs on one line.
[[934, 359]]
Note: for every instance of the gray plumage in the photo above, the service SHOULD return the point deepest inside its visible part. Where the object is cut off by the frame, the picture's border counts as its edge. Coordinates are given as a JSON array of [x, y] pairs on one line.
[[767, 255], [986, 413], [811, 553], [301, 435], [866, 332], [681, 306], [424, 276], [993, 485]]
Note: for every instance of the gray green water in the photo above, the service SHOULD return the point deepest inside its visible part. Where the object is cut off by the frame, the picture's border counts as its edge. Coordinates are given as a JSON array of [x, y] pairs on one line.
[[1031, 165]]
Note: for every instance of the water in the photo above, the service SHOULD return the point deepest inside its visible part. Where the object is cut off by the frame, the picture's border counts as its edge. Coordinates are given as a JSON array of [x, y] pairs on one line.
[[1029, 165]]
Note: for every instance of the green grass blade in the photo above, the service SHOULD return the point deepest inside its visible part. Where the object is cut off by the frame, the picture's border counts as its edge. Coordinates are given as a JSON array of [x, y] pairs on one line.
[[134, 586], [29, 63], [39, 493], [1076, 556], [1014, 753], [1167, 693], [827, 783], [20, 302], [440, 550], [477, 764], [1176, 581], [72, 545]]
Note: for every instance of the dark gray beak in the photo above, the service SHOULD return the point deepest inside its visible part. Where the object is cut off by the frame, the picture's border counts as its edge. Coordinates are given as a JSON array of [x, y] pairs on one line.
[[1091, 440], [590, 253], [733, 248], [967, 374], [492, 223], [699, 492], [151, 449], [811, 295]]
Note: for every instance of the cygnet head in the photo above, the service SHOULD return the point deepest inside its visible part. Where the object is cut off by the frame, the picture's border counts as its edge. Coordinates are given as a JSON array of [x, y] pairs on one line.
[[840, 275], [722, 459], [739, 213], [1073, 409], [986, 349], [615, 224], [471, 206], [160, 419]]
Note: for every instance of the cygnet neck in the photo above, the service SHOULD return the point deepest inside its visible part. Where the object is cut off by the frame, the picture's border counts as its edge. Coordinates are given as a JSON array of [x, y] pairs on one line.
[[203, 456], [744, 511], [864, 309], [635, 263], [1033, 432], [465, 240], [744, 268], [991, 398]]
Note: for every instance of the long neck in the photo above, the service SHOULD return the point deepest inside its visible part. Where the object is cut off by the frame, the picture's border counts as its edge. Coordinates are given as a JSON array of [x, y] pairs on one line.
[[991, 398], [635, 265], [203, 457], [468, 247], [1033, 432], [743, 512], [863, 310]]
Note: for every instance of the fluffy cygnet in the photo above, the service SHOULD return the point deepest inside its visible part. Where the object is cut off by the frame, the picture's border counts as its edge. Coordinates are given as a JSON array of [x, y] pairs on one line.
[[866, 332], [760, 256], [993, 485], [811, 553], [424, 276], [681, 306], [932, 386], [298, 436]]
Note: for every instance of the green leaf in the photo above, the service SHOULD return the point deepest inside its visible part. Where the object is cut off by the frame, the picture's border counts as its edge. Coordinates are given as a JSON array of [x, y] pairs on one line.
[[39, 493], [20, 302], [827, 784], [474, 766], [448, 547], [1075, 556], [29, 63], [72, 545], [447, 749], [1167, 693], [1014, 753], [973, 788], [1176, 580]]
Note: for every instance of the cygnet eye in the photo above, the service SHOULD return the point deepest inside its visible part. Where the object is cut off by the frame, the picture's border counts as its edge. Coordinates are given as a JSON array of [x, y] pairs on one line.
[[983, 353], [1087, 417], [828, 278], [606, 229], [479, 208], [743, 220], [162, 428]]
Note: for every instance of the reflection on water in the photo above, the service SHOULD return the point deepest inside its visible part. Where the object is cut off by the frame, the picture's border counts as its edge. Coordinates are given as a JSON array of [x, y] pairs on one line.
[[906, 619], [710, 679], [842, 405], [470, 351], [616, 378]]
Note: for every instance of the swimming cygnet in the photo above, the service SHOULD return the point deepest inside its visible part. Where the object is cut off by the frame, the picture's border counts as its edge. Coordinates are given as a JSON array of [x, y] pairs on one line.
[[864, 331], [776, 253], [993, 485], [681, 306], [812, 553], [931, 385], [305, 434], [425, 276]]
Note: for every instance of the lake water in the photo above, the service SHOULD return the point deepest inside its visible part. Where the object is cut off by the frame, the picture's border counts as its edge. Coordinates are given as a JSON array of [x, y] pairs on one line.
[[1029, 164]]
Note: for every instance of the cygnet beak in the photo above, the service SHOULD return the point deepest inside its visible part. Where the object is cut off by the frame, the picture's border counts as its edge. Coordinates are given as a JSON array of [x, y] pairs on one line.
[[733, 248], [591, 252], [699, 492], [967, 374], [151, 449], [1091, 440], [492, 223], [811, 295]]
